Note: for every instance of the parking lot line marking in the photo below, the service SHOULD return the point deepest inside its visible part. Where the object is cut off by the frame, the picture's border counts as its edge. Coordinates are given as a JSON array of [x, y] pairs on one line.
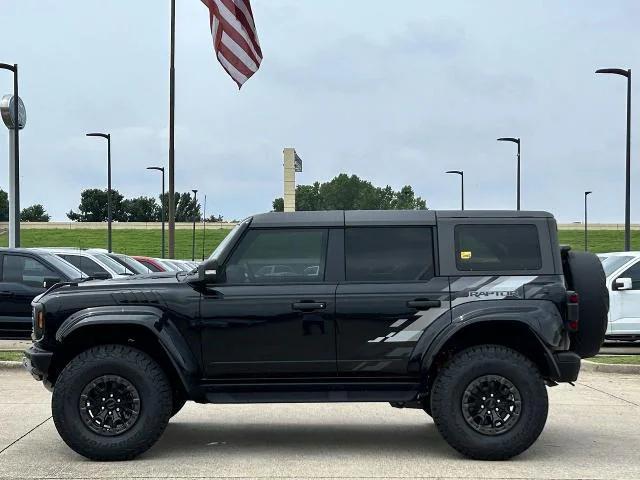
[[22, 436], [606, 393]]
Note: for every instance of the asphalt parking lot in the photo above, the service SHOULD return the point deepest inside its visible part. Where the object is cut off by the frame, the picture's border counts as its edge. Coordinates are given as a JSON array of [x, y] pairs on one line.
[[593, 432]]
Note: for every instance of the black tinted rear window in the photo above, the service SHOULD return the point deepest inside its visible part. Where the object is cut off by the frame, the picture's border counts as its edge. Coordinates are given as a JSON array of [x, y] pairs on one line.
[[497, 247]]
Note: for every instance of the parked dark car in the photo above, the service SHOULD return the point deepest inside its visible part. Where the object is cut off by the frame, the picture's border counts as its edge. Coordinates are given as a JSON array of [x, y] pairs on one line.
[[467, 315], [24, 274]]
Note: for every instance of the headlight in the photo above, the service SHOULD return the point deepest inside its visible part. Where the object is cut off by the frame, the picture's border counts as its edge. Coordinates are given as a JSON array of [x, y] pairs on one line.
[[38, 321]]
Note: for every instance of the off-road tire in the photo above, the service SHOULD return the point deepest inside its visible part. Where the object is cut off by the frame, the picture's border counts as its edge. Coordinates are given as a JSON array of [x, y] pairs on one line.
[[475, 362], [584, 274], [136, 367]]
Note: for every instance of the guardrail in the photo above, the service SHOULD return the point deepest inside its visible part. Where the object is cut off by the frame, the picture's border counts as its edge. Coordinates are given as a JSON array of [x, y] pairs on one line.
[[115, 225], [228, 225]]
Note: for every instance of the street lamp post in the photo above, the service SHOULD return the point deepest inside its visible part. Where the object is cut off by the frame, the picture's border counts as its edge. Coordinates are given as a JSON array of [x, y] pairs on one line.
[[586, 194], [161, 169], [627, 203], [193, 242], [516, 141], [109, 213], [461, 173], [14, 214]]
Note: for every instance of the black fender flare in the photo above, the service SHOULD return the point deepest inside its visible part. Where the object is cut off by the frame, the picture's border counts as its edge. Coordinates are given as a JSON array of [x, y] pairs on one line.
[[540, 317], [151, 318]]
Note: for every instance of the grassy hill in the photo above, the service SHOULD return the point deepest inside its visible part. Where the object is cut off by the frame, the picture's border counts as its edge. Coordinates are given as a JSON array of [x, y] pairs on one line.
[[131, 242], [147, 242]]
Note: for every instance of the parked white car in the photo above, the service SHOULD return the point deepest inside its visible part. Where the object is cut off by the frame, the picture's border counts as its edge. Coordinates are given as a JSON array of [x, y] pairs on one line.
[[622, 270], [94, 264]]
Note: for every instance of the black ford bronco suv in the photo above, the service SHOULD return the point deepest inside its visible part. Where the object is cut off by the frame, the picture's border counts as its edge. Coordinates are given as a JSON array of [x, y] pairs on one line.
[[468, 315]]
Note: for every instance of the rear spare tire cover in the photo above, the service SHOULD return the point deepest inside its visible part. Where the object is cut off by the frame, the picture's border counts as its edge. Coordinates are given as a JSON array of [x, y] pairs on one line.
[[586, 277]]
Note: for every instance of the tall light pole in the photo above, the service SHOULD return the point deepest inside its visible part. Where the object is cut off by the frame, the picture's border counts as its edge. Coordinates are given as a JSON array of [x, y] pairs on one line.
[[516, 141], [109, 213], [161, 169], [461, 173], [14, 124], [627, 202], [172, 106], [193, 242], [586, 194], [204, 225]]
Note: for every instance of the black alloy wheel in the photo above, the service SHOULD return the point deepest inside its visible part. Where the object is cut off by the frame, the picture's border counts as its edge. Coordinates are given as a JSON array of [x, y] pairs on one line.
[[109, 405], [491, 404]]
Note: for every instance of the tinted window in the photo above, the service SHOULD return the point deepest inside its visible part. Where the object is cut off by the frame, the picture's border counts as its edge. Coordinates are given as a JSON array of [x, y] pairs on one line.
[[633, 272], [277, 256], [85, 264], [497, 247], [388, 254], [26, 270]]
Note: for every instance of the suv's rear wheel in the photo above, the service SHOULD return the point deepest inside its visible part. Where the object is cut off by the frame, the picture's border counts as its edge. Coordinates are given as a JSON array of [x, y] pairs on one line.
[[111, 402], [489, 402]]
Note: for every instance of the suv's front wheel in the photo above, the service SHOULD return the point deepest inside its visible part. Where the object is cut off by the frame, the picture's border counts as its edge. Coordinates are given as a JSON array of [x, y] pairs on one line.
[[489, 402], [111, 402]]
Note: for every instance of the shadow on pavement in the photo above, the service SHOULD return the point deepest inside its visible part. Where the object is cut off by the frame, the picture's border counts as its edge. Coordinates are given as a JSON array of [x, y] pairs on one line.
[[195, 439]]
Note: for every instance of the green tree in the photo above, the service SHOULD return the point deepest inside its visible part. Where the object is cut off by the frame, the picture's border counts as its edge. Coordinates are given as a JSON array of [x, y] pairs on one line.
[[34, 213], [185, 207], [4, 206], [93, 206], [346, 192], [278, 204], [141, 209]]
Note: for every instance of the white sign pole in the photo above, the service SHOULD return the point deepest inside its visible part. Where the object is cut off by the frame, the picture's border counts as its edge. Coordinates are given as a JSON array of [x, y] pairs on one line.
[[13, 224]]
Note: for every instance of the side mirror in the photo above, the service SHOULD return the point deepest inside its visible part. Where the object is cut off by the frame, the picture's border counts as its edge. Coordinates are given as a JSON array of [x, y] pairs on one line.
[[622, 284], [50, 281], [208, 272]]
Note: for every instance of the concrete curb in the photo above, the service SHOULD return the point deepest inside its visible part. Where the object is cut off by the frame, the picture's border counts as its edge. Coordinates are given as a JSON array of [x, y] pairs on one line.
[[6, 364], [588, 366]]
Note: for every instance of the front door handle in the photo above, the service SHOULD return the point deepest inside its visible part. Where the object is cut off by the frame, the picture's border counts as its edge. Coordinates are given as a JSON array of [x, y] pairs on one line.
[[421, 303], [308, 306], [7, 294]]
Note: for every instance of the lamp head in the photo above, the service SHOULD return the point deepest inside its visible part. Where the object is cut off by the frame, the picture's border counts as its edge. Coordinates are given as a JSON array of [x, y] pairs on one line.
[[615, 71], [97, 134], [509, 139], [457, 172]]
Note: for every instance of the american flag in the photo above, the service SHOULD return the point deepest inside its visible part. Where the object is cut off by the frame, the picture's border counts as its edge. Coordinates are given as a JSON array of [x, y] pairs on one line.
[[235, 39]]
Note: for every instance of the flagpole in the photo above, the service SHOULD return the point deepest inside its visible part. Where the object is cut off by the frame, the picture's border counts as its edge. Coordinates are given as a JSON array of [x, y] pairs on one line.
[[172, 104]]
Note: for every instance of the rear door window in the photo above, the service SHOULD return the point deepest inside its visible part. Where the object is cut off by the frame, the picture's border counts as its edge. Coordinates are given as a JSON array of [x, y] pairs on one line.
[[389, 254], [497, 247]]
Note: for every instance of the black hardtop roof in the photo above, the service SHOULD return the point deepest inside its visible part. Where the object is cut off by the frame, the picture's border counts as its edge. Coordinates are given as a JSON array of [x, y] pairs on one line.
[[339, 218]]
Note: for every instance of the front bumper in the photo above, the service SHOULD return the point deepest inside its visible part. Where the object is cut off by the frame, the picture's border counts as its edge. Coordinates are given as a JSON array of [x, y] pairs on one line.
[[568, 366], [37, 361]]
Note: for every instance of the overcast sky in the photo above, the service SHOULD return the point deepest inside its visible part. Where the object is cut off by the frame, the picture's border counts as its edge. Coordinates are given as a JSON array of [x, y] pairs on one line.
[[394, 95]]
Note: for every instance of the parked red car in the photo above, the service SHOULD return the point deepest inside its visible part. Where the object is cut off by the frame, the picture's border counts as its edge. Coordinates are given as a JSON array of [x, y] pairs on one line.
[[151, 263]]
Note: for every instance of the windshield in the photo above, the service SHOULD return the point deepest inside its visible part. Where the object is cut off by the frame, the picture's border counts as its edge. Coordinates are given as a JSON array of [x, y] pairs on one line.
[[71, 272], [131, 264], [112, 264], [611, 264], [169, 266], [228, 240]]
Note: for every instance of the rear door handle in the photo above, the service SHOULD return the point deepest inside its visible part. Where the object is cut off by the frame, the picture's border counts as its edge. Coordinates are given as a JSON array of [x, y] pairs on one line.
[[7, 294], [308, 306], [424, 303]]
